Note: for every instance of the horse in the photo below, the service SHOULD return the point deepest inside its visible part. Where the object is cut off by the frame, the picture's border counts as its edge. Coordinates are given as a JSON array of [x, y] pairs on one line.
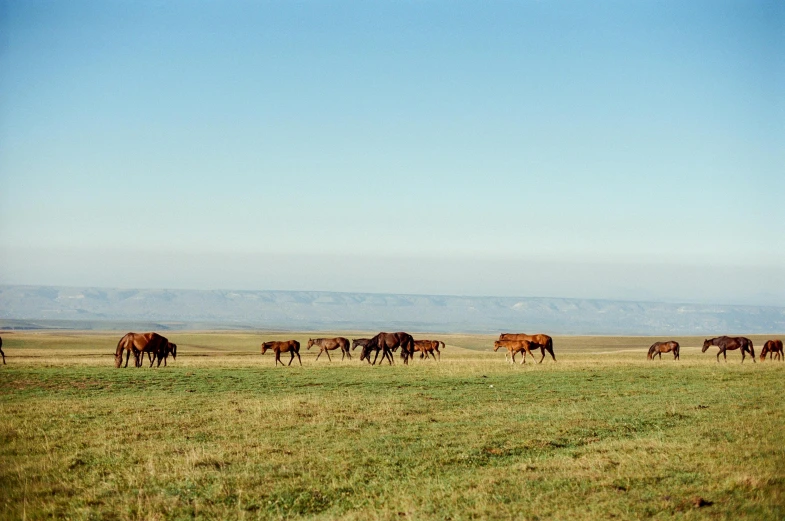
[[171, 349], [328, 344], [657, 348], [773, 348], [387, 343], [138, 344], [514, 347], [290, 346], [544, 342], [431, 346], [425, 348], [362, 342], [1, 350], [726, 343]]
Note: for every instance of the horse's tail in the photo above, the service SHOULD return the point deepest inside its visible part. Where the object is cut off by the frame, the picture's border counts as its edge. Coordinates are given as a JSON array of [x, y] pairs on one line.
[[441, 344], [650, 354], [752, 349], [549, 347]]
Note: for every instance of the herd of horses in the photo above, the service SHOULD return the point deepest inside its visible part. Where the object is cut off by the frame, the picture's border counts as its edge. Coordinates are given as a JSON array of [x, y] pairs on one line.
[[159, 348]]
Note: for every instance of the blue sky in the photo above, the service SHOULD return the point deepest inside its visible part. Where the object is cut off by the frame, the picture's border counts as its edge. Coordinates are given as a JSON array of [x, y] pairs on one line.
[[620, 150]]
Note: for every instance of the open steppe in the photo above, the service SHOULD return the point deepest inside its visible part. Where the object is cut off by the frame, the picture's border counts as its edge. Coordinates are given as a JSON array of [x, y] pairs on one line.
[[221, 433]]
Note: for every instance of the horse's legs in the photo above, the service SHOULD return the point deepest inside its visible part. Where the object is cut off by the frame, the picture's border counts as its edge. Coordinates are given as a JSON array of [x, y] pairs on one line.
[[320, 354], [328, 355], [298, 358], [346, 351], [278, 358], [542, 351], [1, 353], [376, 356], [127, 356], [291, 353]]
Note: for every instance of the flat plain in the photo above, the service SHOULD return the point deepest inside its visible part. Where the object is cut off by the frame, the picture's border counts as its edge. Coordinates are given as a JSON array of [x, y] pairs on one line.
[[222, 433]]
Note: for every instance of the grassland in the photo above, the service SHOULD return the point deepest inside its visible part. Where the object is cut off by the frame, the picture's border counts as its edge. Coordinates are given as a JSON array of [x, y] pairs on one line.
[[221, 433]]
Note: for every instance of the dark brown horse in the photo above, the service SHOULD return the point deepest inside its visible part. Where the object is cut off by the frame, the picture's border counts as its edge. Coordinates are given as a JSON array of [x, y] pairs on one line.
[[544, 342], [171, 349], [514, 347], [362, 342], [657, 348], [328, 344], [773, 348], [387, 343], [290, 346], [1, 350], [138, 344], [727, 343]]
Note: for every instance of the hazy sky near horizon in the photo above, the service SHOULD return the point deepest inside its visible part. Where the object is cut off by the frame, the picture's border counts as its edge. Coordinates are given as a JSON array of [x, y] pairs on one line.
[[612, 150]]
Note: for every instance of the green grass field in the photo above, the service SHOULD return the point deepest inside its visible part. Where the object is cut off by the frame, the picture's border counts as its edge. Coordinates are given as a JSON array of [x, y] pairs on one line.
[[220, 433]]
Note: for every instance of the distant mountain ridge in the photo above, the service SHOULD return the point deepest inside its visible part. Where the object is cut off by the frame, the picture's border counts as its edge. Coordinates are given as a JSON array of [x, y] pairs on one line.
[[319, 310]]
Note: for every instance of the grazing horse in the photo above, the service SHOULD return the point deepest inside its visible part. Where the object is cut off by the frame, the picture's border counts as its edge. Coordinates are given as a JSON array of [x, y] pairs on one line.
[[544, 342], [773, 348], [290, 346], [388, 343], [328, 344], [727, 343], [657, 348], [138, 344], [514, 347], [1, 350], [171, 349]]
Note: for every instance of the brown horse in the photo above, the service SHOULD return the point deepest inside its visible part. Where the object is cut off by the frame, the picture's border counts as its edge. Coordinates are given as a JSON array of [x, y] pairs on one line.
[[328, 344], [544, 342], [773, 348], [171, 349], [657, 348], [1, 350], [362, 342], [138, 344], [290, 346], [387, 343], [427, 347], [514, 347], [727, 343]]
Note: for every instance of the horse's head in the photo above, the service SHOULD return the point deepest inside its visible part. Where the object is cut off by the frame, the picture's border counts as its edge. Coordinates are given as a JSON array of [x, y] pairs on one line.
[[172, 348], [310, 342], [706, 345], [265, 347], [496, 345], [118, 359]]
